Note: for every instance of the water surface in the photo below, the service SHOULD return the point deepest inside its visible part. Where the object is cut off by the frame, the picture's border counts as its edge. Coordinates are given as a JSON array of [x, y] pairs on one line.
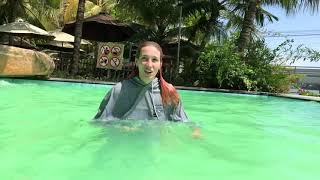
[[46, 133]]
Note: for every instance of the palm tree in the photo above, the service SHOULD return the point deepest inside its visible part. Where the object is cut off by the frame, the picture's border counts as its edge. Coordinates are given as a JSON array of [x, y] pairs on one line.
[[158, 20], [63, 9], [68, 8], [252, 8], [38, 12], [77, 38], [237, 14], [94, 7], [206, 24], [84, 9], [155, 20], [248, 24]]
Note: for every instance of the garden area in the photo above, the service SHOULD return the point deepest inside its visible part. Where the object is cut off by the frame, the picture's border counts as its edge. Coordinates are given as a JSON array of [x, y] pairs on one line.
[[211, 43]]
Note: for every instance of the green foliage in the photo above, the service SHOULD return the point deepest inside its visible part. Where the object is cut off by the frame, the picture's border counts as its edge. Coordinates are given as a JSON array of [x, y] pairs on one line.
[[307, 93], [42, 13], [149, 12], [255, 70], [286, 52], [220, 67], [93, 7]]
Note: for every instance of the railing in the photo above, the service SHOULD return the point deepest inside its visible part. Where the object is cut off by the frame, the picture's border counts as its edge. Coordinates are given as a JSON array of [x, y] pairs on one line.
[[312, 76], [87, 68], [306, 70]]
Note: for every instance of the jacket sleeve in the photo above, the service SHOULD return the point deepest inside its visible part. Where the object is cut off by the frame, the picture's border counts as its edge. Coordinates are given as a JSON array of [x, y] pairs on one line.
[[106, 107], [179, 114]]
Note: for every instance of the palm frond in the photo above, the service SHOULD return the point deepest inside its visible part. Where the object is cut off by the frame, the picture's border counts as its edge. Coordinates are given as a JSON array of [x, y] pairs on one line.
[[263, 15]]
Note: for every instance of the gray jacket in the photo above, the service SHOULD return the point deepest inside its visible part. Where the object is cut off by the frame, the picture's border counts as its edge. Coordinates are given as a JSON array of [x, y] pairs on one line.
[[132, 99]]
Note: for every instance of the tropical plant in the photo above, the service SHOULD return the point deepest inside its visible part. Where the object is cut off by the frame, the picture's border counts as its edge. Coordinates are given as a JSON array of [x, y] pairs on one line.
[[92, 7], [84, 8], [203, 19], [41, 13], [156, 19], [286, 52], [221, 66], [253, 12]]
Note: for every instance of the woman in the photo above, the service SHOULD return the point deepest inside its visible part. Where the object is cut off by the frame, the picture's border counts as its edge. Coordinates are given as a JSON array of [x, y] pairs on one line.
[[146, 95]]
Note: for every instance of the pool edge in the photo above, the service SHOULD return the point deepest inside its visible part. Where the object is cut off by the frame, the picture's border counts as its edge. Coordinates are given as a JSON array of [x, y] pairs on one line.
[[290, 96]]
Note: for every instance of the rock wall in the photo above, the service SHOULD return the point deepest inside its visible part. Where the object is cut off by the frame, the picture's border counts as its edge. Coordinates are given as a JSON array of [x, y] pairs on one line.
[[20, 62]]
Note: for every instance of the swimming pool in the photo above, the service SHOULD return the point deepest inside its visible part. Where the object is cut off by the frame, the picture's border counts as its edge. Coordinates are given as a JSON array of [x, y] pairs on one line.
[[45, 133]]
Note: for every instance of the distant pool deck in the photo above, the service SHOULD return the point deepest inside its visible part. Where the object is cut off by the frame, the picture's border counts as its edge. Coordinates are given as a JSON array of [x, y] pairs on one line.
[[292, 96]]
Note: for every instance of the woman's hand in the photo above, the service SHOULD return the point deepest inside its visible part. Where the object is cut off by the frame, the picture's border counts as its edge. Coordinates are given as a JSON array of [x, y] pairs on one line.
[[196, 133], [129, 129]]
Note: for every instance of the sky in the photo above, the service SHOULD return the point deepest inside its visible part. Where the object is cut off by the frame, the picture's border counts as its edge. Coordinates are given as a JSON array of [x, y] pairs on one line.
[[304, 26]]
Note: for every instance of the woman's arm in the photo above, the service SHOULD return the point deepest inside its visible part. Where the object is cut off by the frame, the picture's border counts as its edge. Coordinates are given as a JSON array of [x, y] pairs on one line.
[[106, 108], [180, 115]]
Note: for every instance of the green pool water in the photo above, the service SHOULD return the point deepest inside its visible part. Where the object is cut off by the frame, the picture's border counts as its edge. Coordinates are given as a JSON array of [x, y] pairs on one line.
[[46, 133]]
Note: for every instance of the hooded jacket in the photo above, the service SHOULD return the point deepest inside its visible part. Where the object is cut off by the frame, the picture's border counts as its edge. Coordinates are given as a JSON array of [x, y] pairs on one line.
[[133, 99]]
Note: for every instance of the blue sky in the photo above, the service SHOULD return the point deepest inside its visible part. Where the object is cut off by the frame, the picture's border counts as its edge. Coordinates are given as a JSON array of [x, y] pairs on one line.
[[299, 23]]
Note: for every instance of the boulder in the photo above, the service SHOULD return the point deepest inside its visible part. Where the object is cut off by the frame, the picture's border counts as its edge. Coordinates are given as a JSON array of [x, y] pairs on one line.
[[20, 62]]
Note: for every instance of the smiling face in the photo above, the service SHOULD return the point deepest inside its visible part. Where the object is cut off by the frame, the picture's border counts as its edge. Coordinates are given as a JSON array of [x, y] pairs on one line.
[[149, 63]]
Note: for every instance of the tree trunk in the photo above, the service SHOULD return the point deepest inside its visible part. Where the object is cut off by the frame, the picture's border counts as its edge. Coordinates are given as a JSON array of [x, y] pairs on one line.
[[247, 25], [77, 38], [12, 15]]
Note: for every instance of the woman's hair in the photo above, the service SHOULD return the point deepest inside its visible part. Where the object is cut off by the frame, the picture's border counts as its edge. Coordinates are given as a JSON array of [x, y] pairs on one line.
[[169, 94]]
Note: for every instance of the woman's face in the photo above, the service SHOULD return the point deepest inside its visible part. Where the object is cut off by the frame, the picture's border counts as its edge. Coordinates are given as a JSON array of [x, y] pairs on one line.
[[149, 63]]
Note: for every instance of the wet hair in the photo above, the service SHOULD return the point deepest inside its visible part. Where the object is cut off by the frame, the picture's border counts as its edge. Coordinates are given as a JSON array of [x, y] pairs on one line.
[[169, 94]]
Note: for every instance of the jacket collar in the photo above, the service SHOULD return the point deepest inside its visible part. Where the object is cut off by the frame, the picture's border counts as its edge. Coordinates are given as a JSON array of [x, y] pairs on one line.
[[154, 82]]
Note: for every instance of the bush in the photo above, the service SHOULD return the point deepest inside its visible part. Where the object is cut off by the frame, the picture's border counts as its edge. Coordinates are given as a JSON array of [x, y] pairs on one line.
[[257, 69], [221, 68]]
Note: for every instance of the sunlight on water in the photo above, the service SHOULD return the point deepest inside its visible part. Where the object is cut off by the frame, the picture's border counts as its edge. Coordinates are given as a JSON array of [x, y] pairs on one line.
[[46, 132]]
